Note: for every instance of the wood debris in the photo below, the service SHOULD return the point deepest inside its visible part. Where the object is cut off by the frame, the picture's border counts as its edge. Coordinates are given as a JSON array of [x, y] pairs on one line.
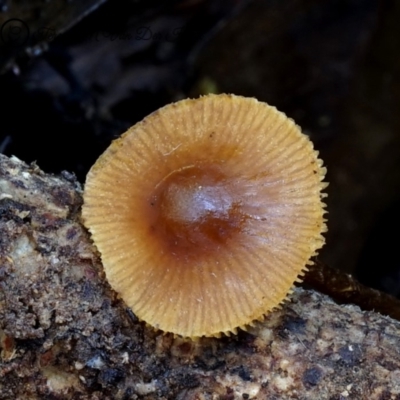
[[64, 334]]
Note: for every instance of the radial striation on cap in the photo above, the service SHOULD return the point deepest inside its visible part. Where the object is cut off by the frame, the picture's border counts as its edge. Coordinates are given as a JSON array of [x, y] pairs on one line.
[[206, 212]]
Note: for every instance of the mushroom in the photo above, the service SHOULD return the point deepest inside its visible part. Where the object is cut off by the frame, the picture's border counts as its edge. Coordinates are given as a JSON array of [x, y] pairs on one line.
[[206, 212]]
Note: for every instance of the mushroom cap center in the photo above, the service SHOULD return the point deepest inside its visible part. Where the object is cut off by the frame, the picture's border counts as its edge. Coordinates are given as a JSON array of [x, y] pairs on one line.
[[194, 210]]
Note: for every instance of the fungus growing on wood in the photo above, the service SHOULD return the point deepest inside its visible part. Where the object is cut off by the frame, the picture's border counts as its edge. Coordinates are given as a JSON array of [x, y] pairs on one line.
[[206, 212]]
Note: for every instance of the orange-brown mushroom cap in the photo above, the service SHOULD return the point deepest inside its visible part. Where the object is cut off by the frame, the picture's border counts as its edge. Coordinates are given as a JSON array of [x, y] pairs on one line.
[[206, 212]]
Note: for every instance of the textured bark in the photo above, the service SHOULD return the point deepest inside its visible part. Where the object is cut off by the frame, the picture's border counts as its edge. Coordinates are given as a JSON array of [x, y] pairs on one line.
[[64, 334], [345, 289]]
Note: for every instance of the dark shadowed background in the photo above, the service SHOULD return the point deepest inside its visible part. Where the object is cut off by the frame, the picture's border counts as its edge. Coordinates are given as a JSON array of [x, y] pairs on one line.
[[75, 75]]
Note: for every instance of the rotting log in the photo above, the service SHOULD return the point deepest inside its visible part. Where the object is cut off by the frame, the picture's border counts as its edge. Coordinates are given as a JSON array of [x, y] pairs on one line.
[[64, 334]]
